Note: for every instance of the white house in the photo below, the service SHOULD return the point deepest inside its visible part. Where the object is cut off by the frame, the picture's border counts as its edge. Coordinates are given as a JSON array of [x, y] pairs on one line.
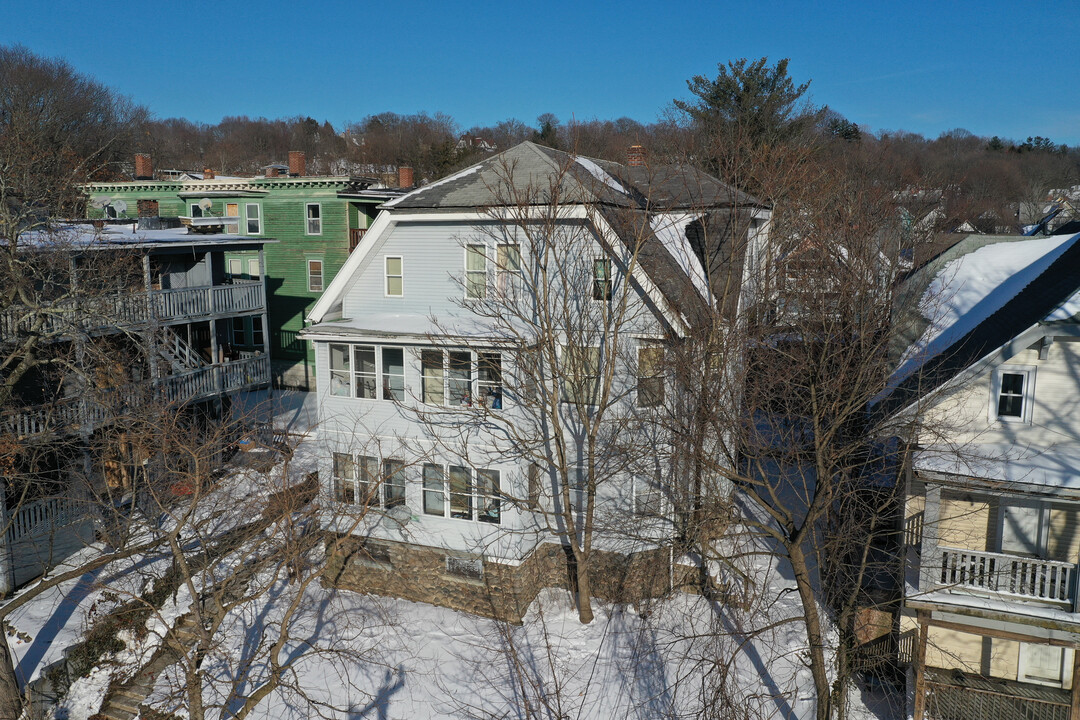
[[993, 490], [491, 359]]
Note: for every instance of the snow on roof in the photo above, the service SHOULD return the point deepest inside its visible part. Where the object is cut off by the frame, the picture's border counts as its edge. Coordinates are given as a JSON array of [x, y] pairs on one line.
[[86, 235], [1056, 467], [424, 188], [670, 229], [600, 174], [415, 325], [973, 287]]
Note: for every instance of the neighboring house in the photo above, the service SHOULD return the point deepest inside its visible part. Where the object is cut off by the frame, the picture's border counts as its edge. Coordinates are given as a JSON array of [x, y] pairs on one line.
[[428, 344], [992, 513], [177, 329], [317, 221]]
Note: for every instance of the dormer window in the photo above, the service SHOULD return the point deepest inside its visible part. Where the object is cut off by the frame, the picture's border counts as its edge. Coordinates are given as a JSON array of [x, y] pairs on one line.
[[1013, 393]]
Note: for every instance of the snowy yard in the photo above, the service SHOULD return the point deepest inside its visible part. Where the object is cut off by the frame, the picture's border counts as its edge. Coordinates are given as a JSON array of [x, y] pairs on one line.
[[382, 658]]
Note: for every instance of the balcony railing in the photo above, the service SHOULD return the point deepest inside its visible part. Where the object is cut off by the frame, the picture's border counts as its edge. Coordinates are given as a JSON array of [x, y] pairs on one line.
[[952, 696], [133, 308], [84, 414], [355, 236], [1012, 575]]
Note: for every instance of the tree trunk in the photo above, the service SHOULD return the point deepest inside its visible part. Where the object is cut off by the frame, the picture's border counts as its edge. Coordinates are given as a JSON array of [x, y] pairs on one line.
[[584, 590], [10, 697], [813, 631]]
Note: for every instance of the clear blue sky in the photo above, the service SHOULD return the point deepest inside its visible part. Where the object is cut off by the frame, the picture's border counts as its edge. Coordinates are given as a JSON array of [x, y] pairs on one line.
[[991, 67]]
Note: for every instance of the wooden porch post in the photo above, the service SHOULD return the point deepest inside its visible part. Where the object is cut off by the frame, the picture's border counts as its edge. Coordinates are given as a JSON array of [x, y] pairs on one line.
[[929, 556], [1074, 711], [920, 666]]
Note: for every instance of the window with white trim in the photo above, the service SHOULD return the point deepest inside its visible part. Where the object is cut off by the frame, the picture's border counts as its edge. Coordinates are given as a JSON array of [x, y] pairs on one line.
[[315, 275], [508, 273], [461, 493], [364, 371], [1013, 391], [448, 378], [340, 375], [253, 268], [344, 472], [393, 483], [367, 480], [313, 212], [395, 276], [489, 384], [254, 218], [236, 269], [650, 380], [393, 374], [648, 502], [433, 377], [475, 272], [580, 374]]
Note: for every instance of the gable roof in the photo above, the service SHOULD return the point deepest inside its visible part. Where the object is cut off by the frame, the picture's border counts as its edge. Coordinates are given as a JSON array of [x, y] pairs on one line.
[[526, 175], [975, 298]]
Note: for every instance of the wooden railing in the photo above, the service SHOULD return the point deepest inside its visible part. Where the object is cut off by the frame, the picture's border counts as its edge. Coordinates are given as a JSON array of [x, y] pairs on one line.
[[1014, 575], [954, 702], [135, 308], [85, 414], [355, 236]]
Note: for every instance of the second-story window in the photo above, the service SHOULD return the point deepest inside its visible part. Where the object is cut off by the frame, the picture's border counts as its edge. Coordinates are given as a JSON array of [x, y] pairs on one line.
[[581, 374], [601, 279], [315, 275], [314, 219], [459, 378], [236, 269], [1013, 393], [256, 332], [489, 392], [395, 277], [650, 386], [393, 373], [364, 365], [431, 366], [508, 277], [254, 218], [253, 268], [340, 379], [475, 272]]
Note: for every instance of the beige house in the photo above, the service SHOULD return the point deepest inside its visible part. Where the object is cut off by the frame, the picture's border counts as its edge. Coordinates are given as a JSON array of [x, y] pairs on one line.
[[992, 538]]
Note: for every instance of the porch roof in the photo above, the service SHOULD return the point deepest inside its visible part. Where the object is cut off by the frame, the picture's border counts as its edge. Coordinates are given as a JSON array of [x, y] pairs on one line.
[[1055, 467]]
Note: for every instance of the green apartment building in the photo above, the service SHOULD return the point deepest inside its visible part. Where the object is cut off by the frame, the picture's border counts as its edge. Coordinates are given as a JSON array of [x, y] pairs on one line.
[[316, 221]]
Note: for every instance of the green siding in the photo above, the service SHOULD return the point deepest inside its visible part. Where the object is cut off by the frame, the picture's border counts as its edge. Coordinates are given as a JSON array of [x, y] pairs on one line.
[[284, 219]]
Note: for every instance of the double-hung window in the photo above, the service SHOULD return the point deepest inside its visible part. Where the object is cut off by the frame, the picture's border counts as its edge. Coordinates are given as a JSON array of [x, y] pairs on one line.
[[1013, 393], [253, 269], [236, 269], [433, 377], [395, 277], [364, 369], [461, 492], [459, 378], [257, 332], [647, 498], [434, 492], [650, 387], [489, 392], [508, 277], [367, 481], [475, 272], [487, 496], [580, 374], [239, 332], [601, 279], [344, 478], [315, 275], [340, 370], [393, 373], [314, 219], [393, 483], [254, 218]]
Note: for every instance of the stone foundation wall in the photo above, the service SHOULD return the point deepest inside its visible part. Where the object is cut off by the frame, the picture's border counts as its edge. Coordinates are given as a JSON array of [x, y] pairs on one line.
[[498, 591]]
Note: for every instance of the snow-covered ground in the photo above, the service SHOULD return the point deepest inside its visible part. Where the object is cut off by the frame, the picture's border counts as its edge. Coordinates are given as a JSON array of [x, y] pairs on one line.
[[373, 657]]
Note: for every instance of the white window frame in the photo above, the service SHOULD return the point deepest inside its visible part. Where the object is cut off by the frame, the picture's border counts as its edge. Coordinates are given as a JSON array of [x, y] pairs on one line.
[[196, 211], [648, 500], [608, 285], [344, 481], [400, 275], [476, 280], [257, 219], [322, 274], [1023, 662], [1039, 509], [477, 390], [394, 482], [1028, 396], [253, 269], [236, 269], [507, 282], [385, 392], [446, 495], [342, 375], [569, 394], [656, 378], [371, 377], [308, 219]]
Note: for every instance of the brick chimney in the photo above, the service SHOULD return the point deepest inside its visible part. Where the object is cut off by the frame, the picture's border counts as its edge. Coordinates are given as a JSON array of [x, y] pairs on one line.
[[144, 167], [635, 156], [297, 163], [405, 176], [207, 174]]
